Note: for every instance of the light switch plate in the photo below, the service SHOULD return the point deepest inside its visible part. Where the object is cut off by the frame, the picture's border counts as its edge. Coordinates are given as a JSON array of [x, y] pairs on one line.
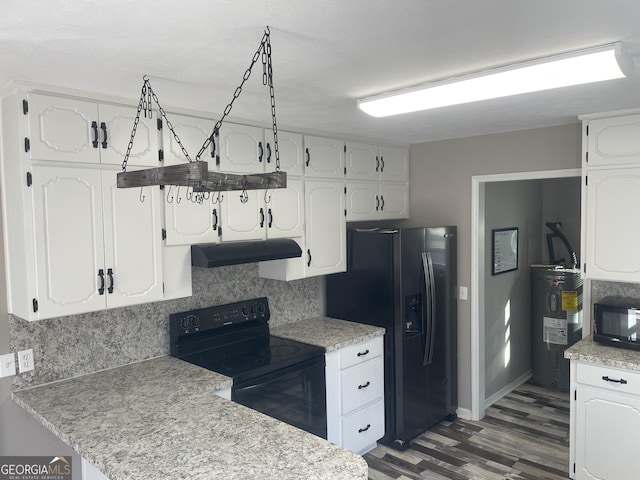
[[463, 293], [7, 365]]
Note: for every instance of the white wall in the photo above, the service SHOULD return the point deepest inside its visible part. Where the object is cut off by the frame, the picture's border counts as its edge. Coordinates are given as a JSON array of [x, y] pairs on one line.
[[440, 194]]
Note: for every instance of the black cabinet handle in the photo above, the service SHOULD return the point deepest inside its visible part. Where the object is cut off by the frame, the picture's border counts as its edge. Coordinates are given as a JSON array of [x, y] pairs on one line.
[[215, 219], [360, 430], [94, 128], [260, 152], [362, 354], [213, 145], [261, 217], [381, 164], [270, 213], [306, 150], [103, 127], [101, 287], [381, 202], [377, 203], [110, 275], [360, 387], [377, 163], [622, 381], [268, 153], [308, 257]]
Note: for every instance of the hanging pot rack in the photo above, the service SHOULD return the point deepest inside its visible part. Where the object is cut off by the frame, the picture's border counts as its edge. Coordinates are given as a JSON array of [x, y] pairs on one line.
[[195, 173]]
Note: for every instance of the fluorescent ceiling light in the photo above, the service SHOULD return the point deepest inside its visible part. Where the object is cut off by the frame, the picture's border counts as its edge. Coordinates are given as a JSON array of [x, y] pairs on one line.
[[593, 65]]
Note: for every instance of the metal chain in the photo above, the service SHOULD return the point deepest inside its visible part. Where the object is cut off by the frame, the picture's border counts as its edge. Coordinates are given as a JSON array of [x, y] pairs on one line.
[[148, 94]]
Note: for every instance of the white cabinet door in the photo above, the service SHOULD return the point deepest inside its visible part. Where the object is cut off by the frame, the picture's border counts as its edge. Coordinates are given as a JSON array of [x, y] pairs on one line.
[[324, 157], [285, 210], [325, 227], [614, 140], [243, 221], [72, 130], [68, 224], [363, 201], [362, 161], [193, 132], [394, 164], [133, 243], [116, 122], [63, 129], [607, 434], [613, 196], [187, 220], [291, 149], [394, 200], [241, 148]]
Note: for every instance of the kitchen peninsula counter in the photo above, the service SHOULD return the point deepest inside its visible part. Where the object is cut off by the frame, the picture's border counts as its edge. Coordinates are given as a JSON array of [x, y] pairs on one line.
[[160, 419]]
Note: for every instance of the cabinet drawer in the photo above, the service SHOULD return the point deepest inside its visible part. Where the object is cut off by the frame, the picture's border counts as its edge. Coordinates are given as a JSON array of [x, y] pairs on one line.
[[363, 428], [619, 380], [362, 352], [361, 385]]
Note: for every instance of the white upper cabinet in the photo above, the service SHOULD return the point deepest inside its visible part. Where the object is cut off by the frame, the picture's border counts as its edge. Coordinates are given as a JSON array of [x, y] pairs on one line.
[[187, 219], [614, 140], [242, 149], [611, 194], [376, 201], [371, 162], [72, 130], [96, 246], [291, 152], [323, 157], [192, 132], [243, 221], [285, 210]]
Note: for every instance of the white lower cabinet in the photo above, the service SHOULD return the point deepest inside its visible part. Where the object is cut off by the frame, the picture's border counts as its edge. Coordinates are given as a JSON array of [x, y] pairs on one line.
[[606, 418], [355, 395]]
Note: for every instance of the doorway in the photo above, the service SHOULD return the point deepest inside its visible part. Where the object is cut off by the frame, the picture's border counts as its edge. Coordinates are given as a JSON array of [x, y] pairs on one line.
[[479, 261]]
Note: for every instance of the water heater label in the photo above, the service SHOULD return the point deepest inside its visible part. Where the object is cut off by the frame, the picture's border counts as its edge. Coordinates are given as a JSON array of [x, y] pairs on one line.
[[569, 300], [554, 330]]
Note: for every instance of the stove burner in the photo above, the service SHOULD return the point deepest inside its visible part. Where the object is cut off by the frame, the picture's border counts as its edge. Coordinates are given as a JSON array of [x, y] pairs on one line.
[[281, 350]]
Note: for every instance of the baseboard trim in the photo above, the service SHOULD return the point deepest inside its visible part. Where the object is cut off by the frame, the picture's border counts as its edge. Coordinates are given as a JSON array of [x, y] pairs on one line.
[[507, 389]]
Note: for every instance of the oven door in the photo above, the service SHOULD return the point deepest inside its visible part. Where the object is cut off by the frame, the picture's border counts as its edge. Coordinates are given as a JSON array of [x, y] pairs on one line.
[[294, 395]]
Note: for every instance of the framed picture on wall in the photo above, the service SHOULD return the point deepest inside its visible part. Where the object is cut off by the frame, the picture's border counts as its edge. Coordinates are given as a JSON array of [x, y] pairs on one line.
[[505, 250]]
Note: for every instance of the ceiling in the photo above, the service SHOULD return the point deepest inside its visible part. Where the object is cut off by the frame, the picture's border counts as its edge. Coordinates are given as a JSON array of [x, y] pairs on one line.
[[326, 54]]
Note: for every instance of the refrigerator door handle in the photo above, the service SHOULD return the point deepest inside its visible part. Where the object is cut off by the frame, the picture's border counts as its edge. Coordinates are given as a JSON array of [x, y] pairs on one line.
[[430, 308]]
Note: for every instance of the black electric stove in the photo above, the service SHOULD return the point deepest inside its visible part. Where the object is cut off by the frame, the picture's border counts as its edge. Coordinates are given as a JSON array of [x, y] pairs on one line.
[[276, 376]]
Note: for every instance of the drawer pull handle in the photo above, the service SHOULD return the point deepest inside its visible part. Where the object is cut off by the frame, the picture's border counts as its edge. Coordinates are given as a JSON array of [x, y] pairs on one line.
[[360, 387], [360, 430], [622, 381], [362, 354]]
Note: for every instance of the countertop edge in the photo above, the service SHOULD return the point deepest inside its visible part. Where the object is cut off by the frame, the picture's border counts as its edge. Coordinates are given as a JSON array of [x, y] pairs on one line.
[[586, 350]]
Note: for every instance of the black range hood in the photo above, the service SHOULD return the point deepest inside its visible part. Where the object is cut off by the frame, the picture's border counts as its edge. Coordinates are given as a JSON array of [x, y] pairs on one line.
[[210, 255]]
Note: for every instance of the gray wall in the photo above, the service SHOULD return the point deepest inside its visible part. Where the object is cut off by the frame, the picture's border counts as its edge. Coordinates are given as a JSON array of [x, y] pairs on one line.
[[561, 203], [508, 295], [440, 193]]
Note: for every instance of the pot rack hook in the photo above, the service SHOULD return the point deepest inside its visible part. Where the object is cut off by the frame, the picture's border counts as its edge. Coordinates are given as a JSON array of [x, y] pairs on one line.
[[142, 195]]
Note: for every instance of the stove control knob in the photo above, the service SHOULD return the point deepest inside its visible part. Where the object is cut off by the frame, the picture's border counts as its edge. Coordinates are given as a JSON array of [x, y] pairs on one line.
[[245, 311], [195, 321], [254, 309], [261, 307], [185, 323]]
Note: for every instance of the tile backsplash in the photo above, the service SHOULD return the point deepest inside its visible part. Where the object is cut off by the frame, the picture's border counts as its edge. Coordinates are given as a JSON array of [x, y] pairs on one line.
[[76, 345]]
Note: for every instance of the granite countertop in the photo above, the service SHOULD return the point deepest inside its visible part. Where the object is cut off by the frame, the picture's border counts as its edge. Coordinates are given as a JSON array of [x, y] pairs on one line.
[[160, 418], [329, 333], [586, 350]]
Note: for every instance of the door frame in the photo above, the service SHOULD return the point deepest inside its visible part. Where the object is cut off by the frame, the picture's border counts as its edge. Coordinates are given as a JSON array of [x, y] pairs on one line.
[[477, 274]]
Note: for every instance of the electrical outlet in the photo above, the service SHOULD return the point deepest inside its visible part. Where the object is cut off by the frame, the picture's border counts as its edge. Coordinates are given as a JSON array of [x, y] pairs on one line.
[[7, 365], [463, 293], [25, 360]]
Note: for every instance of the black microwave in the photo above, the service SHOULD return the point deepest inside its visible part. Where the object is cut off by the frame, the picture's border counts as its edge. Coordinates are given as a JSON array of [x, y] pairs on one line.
[[617, 322]]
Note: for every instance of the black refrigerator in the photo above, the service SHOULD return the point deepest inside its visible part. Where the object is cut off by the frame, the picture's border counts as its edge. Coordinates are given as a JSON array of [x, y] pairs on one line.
[[405, 281]]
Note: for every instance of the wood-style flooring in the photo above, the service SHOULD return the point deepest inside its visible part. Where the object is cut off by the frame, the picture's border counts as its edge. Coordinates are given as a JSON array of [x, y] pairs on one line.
[[525, 435]]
